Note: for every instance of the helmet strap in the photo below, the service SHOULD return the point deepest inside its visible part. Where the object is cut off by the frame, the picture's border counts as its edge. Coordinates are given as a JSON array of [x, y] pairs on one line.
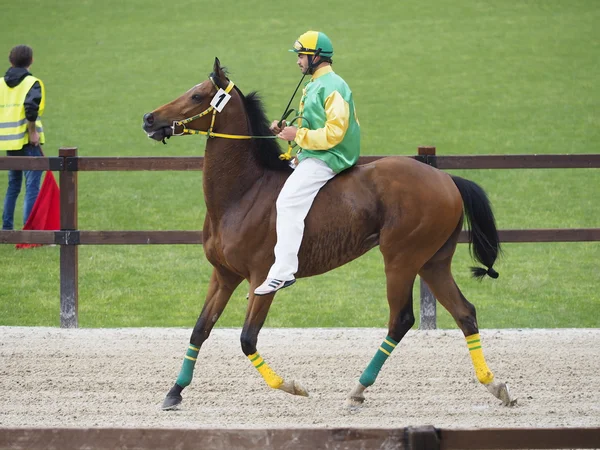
[[311, 58]]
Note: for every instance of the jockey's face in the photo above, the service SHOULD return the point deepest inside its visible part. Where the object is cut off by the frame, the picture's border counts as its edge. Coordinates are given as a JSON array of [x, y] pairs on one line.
[[303, 62]]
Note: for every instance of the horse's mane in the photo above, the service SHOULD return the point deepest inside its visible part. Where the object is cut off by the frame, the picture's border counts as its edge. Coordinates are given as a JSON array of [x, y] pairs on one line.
[[266, 151]]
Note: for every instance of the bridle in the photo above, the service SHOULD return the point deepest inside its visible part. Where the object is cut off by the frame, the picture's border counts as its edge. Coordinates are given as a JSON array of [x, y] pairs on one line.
[[210, 134]]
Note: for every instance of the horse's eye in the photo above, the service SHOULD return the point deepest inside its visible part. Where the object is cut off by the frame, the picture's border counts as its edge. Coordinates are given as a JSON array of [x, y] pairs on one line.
[[196, 98]]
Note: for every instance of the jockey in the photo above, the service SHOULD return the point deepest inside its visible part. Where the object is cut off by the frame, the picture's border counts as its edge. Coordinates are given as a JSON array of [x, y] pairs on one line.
[[328, 138]]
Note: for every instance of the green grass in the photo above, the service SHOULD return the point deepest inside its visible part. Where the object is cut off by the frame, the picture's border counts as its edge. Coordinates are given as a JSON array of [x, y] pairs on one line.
[[470, 77]]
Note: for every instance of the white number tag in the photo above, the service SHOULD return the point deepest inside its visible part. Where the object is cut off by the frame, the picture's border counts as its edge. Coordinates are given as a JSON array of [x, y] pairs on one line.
[[220, 100]]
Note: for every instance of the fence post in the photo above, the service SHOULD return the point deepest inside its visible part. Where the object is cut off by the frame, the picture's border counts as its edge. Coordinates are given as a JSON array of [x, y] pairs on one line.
[[427, 317], [422, 438], [69, 281]]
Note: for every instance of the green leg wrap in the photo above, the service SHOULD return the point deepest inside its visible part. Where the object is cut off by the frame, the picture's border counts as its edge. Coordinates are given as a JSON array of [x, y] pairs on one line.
[[187, 369], [370, 374]]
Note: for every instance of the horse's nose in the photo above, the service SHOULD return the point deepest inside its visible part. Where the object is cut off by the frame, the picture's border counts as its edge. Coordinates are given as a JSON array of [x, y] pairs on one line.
[[148, 119]]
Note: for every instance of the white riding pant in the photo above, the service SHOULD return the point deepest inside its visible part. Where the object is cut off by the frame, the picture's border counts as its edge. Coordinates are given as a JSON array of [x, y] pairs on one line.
[[293, 204]]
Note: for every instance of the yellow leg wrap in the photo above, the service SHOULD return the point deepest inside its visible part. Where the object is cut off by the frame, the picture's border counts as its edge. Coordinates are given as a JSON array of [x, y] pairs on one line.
[[483, 372], [272, 379]]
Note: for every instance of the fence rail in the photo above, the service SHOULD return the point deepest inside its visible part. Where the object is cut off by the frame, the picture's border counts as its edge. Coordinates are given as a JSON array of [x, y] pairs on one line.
[[69, 237], [409, 438], [179, 163], [171, 237]]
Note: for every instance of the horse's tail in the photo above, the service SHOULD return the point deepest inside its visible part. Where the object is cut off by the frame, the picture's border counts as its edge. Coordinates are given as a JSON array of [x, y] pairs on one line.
[[484, 243]]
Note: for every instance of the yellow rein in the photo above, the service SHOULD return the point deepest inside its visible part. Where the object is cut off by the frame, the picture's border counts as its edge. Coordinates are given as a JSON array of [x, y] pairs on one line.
[[210, 134]]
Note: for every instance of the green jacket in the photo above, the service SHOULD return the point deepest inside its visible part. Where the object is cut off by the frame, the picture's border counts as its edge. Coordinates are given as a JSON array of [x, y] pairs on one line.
[[331, 131]]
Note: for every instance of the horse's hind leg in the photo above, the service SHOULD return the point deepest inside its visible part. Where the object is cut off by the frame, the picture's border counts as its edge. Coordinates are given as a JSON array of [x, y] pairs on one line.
[[438, 276], [221, 286], [400, 280]]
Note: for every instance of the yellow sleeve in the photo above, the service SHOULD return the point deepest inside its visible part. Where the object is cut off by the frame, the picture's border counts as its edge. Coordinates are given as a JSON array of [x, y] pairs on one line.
[[337, 111]]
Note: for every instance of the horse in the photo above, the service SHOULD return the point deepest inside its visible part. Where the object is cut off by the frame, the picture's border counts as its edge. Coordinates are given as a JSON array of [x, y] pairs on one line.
[[412, 211]]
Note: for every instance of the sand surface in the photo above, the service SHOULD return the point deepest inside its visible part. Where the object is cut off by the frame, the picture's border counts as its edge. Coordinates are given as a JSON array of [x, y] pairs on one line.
[[118, 378]]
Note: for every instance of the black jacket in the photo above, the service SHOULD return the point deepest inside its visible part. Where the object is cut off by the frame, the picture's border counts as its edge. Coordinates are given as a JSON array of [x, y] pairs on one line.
[[13, 77]]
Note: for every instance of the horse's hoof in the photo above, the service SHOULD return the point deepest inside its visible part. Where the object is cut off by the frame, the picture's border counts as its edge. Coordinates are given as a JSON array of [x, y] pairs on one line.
[[355, 402], [500, 391], [172, 402], [294, 388], [356, 397]]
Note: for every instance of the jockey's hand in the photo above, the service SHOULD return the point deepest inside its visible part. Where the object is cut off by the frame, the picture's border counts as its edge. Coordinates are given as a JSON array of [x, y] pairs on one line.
[[288, 133], [275, 128]]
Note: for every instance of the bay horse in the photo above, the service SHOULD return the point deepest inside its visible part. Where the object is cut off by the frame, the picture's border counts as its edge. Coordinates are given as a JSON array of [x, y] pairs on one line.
[[412, 211]]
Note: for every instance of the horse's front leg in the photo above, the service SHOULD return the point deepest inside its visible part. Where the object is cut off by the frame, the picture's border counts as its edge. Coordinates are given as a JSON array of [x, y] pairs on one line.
[[258, 308], [221, 286]]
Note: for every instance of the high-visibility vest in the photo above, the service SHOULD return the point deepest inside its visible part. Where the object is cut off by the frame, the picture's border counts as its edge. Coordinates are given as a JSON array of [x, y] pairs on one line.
[[13, 123]]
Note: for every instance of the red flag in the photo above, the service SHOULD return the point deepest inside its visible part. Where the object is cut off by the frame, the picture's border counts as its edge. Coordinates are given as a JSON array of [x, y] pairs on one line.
[[45, 214]]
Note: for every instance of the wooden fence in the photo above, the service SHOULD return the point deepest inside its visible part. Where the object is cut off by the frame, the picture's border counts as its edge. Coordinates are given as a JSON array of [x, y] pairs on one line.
[[69, 237], [409, 438]]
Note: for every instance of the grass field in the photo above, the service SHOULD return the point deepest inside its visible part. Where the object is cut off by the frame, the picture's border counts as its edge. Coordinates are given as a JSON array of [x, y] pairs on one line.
[[470, 77]]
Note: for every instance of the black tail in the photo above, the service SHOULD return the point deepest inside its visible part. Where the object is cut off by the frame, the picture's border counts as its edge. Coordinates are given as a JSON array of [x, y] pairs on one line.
[[484, 243]]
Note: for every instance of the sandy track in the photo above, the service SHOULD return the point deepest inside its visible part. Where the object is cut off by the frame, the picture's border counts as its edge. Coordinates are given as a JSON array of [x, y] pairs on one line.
[[118, 377]]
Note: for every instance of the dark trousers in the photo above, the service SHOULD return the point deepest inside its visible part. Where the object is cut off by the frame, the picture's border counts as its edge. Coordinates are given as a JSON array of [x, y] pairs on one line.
[[15, 180]]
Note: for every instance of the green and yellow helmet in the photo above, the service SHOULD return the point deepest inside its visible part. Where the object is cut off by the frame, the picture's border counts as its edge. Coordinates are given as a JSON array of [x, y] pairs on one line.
[[313, 43]]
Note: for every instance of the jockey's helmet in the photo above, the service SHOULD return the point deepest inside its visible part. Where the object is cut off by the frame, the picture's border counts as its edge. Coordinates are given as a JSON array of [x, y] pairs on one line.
[[313, 43]]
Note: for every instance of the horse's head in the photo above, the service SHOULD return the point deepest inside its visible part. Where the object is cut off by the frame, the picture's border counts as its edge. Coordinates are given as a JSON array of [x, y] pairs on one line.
[[189, 111]]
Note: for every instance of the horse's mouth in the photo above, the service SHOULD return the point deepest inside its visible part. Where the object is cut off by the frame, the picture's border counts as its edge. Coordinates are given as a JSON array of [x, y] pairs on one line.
[[159, 134]]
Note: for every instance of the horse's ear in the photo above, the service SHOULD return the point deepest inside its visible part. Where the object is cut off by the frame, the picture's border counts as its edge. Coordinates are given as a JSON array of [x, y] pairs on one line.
[[217, 69]]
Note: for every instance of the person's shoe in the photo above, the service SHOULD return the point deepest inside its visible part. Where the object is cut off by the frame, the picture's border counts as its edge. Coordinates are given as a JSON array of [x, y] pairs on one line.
[[272, 285]]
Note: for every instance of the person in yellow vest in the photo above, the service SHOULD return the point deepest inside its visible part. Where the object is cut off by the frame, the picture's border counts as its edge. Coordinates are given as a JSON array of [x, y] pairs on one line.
[[22, 101]]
